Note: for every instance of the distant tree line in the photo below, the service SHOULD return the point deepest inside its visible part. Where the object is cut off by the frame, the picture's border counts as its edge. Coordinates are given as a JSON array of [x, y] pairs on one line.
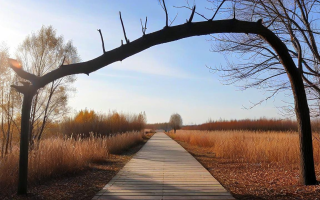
[[261, 124]]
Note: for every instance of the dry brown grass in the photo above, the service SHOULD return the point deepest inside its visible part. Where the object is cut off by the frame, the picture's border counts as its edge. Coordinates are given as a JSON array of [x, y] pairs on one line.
[[56, 156], [250, 146]]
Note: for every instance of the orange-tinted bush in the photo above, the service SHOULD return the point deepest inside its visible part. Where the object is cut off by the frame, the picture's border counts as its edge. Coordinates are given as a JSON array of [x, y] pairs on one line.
[[86, 122]]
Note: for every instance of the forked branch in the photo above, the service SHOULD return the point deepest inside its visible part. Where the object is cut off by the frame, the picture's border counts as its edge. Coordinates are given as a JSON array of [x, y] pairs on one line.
[[144, 28]]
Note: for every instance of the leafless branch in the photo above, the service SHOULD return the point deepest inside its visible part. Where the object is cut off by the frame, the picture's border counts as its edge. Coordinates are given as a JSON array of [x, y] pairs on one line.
[[173, 19], [234, 10], [215, 13], [17, 68], [314, 86], [124, 31], [145, 26], [192, 14], [164, 36], [165, 9], [102, 38], [265, 99], [201, 15]]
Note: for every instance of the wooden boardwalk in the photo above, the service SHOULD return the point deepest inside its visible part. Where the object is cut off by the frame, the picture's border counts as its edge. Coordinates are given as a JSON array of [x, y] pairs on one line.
[[162, 169]]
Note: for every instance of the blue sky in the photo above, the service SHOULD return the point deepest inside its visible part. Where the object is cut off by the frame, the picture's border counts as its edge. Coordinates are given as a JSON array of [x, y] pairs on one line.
[[162, 80]]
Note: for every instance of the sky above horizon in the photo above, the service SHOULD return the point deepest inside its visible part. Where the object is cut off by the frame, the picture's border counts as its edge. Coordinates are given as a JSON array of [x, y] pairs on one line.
[[165, 79]]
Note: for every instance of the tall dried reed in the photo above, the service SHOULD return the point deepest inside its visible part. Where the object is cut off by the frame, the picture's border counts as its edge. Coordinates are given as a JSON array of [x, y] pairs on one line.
[[56, 156], [250, 146]]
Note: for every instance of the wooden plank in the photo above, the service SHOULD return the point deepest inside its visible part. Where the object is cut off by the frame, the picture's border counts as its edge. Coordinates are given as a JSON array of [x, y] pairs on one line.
[[162, 169]]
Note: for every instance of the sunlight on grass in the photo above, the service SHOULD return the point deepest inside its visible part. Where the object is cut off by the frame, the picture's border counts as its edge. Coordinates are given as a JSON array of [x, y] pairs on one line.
[[250, 146], [56, 156]]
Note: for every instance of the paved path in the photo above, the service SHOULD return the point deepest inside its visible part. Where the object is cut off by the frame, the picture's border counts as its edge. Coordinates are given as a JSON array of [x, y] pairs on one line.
[[163, 169]]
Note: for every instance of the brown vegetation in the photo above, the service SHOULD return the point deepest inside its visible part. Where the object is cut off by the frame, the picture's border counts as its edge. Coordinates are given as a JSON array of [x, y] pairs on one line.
[[252, 164], [261, 124], [250, 146], [86, 122], [55, 157], [246, 124]]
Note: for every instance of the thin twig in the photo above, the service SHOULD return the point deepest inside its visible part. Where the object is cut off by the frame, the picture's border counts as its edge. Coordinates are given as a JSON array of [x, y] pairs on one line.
[[234, 10], [102, 41], [217, 9], [192, 14], [173, 19], [64, 57], [145, 26], [142, 27], [165, 9], [124, 31], [191, 9]]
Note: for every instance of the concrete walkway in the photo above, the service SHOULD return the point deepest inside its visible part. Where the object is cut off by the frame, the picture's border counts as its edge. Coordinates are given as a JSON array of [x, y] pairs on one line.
[[163, 169]]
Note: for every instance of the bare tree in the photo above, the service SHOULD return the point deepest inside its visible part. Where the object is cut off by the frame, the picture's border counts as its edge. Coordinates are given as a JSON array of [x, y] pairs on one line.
[[175, 122], [9, 102], [295, 23], [165, 35], [41, 53]]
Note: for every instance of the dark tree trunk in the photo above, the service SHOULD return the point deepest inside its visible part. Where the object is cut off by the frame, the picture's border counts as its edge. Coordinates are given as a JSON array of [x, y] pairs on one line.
[[307, 170], [24, 143]]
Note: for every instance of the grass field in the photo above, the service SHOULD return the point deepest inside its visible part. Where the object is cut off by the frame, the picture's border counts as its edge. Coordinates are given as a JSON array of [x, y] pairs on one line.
[[252, 164], [56, 156], [250, 146]]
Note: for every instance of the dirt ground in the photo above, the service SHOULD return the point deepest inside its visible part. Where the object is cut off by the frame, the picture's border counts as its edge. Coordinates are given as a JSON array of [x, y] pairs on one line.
[[255, 181], [80, 186]]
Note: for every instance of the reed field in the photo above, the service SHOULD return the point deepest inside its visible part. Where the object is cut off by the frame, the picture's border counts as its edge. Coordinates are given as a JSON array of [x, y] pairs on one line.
[[57, 156], [250, 146]]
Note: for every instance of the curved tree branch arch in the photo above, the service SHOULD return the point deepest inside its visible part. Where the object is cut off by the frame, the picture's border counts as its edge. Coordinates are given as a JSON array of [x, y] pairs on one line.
[[170, 34]]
